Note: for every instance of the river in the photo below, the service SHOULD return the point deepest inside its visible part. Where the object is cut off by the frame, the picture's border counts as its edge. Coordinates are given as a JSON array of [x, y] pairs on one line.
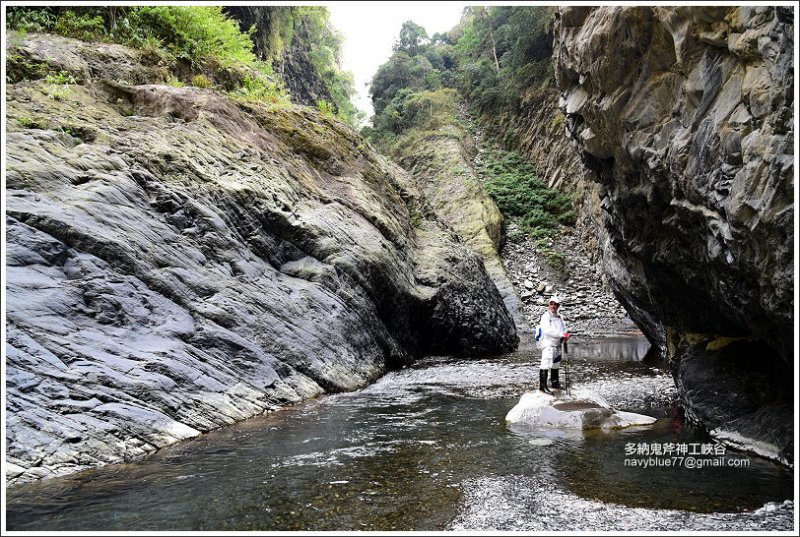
[[427, 448]]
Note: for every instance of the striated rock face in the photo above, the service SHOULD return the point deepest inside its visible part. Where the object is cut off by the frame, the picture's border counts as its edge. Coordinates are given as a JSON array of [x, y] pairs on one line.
[[177, 261], [538, 132], [441, 164], [37, 55], [685, 117]]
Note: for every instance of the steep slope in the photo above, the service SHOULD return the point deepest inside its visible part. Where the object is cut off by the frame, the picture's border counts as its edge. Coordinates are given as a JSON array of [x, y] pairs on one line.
[[178, 260], [685, 118], [293, 64], [438, 151]]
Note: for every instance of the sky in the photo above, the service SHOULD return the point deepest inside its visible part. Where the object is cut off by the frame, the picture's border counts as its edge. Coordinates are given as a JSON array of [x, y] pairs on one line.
[[370, 29]]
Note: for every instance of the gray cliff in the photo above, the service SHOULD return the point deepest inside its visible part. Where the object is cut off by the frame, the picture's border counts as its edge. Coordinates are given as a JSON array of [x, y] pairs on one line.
[[440, 157], [178, 260], [684, 120]]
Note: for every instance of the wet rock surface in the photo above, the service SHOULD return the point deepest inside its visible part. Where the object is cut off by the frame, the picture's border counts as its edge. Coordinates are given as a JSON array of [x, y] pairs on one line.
[[178, 261]]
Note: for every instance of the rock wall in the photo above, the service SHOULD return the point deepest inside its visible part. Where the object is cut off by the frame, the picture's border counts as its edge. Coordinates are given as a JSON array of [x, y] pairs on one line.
[[293, 63], [441, 162], [537, 131], [178, 260], [685, 118]]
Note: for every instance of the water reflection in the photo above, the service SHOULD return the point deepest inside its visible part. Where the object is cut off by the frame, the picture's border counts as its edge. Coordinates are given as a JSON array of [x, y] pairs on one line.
[[613, 349], [421, 449]]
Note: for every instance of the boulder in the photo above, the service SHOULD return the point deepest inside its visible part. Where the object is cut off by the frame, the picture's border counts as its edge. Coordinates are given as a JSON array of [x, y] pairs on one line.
[[440, 158], [572, 412]]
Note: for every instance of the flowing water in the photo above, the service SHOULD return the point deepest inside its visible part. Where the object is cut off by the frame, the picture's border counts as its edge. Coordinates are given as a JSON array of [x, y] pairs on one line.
[[427, 448]]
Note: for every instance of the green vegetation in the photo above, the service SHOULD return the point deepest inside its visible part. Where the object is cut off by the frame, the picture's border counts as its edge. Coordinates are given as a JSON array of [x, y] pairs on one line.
[[59, 78], [325, 107], [504, 51], [305, 33], [257, 88], [411, 114], [417, 217], [215, 46], [58, 85], [198, 34], [313, 27], [522, 196], [31, 19], [494, 57], [28, 123], [175, 82], [86, 28], [556, 259], [201, 81]]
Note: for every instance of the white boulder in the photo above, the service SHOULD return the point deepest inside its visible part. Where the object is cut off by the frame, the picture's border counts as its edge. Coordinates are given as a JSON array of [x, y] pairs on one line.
[[587, 412]]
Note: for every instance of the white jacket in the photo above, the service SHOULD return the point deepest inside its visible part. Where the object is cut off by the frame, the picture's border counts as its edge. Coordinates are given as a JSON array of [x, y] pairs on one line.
[[553, 329]]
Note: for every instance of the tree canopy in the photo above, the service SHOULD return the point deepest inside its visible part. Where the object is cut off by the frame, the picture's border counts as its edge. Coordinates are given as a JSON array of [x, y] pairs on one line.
[[492, 57], [413, 38]]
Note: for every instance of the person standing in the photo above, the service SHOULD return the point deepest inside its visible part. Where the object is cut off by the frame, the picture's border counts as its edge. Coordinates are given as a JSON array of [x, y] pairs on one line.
[[554, 331]]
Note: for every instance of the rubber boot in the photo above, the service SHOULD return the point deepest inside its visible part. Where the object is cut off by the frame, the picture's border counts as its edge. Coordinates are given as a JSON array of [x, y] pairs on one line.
[[555, 383], [543, 381]]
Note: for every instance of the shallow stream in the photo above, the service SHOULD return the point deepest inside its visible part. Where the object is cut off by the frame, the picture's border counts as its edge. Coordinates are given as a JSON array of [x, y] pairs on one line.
[[427, 448]]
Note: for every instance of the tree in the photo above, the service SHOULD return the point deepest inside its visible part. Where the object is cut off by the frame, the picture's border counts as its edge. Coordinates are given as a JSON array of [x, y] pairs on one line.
[[442, 38], [484, 12], [503, 51], [401, 71], [413, 39]]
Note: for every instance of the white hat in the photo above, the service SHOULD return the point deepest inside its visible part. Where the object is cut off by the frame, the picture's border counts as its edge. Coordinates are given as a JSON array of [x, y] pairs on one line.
[[555, 298]]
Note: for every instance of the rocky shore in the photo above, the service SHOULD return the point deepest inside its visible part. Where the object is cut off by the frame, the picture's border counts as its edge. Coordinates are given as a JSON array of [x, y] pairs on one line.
[[589, 307]]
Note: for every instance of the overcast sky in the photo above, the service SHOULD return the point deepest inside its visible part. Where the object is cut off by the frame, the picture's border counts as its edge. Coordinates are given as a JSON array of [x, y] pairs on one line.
[[370, 29]]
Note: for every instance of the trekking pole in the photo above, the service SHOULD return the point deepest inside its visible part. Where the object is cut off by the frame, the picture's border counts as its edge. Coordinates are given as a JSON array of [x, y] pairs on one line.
[[566, 367]]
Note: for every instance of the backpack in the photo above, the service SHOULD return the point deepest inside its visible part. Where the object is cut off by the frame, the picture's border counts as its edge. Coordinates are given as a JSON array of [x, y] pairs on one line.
[[538, 336]]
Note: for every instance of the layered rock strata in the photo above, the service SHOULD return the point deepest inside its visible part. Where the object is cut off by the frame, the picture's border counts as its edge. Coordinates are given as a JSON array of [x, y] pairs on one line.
[[178, 260], [441, 163], [685, 118]]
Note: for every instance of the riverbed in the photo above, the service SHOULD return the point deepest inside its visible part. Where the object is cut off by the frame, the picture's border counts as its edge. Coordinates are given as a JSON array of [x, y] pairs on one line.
[[427, 448]]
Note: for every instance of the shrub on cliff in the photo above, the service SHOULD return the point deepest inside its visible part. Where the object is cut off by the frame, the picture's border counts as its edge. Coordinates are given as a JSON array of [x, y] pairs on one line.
[[522, 196], [422, 111], [31, 19], [210, 42], [193, 33]]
